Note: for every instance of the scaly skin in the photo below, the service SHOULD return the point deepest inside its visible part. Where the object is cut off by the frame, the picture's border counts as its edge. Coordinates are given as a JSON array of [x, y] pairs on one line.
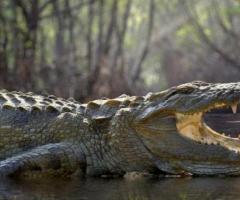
[[57, 136], [160, 132]]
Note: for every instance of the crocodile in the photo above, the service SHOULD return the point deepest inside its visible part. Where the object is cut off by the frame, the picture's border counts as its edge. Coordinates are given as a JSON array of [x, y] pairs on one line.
[[189, 129]]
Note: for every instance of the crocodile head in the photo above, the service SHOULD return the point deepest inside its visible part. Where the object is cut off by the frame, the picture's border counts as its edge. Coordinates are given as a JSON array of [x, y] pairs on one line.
[[193, 128]]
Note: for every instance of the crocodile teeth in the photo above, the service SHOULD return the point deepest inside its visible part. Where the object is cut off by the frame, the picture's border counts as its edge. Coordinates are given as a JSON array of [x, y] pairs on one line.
[[234, 108]]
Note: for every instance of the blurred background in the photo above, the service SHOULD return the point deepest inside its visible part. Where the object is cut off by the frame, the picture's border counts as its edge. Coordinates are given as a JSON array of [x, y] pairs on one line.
[[92, 48]]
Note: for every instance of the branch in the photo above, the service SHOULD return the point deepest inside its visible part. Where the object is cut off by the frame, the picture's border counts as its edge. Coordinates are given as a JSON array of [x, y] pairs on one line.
[[23, 7], [112, 24], [98, 55], [42, 8], [222, 25], [73, 8], [89, 36], [210, 43], [137, 67], [121, 35]]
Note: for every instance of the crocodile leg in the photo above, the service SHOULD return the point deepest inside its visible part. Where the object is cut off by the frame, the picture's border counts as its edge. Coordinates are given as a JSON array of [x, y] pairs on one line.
[[58, 158]]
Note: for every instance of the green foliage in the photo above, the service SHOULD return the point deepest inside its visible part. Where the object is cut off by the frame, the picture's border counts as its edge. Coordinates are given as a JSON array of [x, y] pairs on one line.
[[186, 32], [233, 10]]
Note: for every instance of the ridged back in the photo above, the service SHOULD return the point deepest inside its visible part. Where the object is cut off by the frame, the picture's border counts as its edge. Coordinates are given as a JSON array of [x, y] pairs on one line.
[[36, 103], [106, 108]]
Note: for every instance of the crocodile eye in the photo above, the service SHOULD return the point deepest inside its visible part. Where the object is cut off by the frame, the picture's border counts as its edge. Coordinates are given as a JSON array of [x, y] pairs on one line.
[[186, 89]]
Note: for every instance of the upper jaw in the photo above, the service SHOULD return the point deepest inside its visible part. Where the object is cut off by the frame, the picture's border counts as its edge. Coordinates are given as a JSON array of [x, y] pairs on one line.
[[199, 101], [184, 109]]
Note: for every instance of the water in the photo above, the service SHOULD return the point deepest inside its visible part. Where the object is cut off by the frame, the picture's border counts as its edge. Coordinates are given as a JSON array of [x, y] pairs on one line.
[[122, 189]]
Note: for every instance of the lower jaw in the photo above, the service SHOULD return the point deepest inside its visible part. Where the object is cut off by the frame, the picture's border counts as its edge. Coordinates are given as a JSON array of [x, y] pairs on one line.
[[198, 168], [210, 169], [232, 144]]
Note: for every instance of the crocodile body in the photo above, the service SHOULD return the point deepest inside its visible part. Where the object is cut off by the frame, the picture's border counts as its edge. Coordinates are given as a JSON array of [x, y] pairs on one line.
[[51, 134], [157, 133]]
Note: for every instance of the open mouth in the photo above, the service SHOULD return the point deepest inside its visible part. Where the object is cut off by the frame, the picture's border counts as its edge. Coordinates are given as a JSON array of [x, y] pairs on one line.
[[220, 125], [225, 121]]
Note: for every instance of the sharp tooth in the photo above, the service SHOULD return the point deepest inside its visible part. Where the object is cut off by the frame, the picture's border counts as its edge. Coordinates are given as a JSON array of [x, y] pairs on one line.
[[209, 142], [234, 108]]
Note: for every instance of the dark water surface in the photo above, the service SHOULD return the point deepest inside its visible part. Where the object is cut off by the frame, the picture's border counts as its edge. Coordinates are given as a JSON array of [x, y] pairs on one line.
[[122, 189]]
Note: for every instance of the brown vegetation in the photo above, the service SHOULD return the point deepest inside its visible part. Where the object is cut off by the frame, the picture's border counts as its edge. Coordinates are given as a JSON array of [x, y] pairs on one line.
[[93, 48]]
